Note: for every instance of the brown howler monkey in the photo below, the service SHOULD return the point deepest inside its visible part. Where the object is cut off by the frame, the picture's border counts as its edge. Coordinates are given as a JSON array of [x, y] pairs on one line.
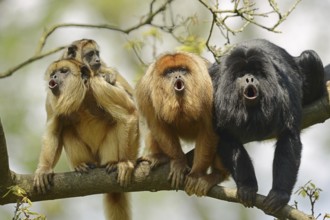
[[87, 51], [175, 96], [95, 122]]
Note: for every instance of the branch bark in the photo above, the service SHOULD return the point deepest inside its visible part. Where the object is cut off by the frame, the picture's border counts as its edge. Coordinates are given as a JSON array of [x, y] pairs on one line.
[[72, 184]]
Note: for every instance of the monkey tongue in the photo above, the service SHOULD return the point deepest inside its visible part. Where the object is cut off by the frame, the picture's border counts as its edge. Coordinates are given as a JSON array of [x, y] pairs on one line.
[[179, 85], [52, 84]]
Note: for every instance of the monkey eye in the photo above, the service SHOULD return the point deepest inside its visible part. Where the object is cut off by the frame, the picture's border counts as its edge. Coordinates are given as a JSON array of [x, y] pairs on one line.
[[182, 69], [92, 53], [64, 70]]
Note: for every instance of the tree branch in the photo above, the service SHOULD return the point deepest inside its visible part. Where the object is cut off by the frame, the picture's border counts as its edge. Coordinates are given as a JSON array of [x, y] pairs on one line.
[[147, 20], [73, 184], [5, 175]]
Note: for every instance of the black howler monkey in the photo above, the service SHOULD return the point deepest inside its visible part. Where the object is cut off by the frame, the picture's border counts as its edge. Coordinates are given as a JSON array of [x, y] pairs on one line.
[[259, 91]]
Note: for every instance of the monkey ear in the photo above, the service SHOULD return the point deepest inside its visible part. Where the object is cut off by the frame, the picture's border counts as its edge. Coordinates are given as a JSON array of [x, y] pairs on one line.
[[72, 51], [85, 72]]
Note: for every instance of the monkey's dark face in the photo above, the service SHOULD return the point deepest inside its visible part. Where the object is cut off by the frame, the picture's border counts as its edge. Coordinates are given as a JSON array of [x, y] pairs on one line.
[[249, 87], [92, 58], [177, 77]]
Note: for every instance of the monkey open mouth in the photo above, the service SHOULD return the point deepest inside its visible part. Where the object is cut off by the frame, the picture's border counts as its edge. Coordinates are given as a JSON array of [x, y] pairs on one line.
[[251, 94], [52, 84], [179, 85]]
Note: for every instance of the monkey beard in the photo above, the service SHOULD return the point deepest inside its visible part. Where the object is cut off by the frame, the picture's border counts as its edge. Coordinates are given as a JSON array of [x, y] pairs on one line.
[[71, 97], [259, 120], [188, 106]]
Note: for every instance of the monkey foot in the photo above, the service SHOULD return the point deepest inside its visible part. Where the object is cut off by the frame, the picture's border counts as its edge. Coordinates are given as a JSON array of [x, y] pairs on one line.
[[200, 185], [178, 171], [142, 171], [247, 195], [84, 167], [154, 160], [125, 171], [275, 200]]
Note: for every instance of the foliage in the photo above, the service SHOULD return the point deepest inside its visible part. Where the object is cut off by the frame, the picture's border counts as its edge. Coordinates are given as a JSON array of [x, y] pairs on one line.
[[23, 205], [312, 192]]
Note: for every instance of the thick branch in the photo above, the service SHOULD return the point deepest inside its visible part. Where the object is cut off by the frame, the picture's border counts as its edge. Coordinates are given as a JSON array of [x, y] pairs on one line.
[[5, 176], [72, 184]]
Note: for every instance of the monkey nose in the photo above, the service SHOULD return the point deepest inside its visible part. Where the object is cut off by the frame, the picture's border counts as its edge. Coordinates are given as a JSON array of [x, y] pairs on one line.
[[179, 85]]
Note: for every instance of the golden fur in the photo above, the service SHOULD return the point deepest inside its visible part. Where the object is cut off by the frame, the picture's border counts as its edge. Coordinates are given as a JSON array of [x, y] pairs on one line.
[[97, 124], [186, 115]]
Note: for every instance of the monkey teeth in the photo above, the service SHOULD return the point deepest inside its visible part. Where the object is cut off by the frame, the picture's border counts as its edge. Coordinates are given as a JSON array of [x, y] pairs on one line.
[[179, 85]]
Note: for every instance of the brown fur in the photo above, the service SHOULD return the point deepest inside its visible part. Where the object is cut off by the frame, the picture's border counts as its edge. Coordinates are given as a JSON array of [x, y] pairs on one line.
[[171, 116], [97, 124]]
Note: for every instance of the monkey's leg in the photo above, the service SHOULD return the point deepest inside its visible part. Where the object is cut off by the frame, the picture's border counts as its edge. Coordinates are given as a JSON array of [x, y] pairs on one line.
[[285, 169], [155, 156], [236, 159], [164, 146], [80, 157], [116, 152], [204, 155]]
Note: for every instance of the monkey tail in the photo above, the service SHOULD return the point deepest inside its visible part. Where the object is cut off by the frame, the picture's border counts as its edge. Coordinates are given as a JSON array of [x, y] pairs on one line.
[[117, 206]]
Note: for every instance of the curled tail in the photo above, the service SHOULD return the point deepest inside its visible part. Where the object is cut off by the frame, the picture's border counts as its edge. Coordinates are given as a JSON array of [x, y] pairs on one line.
[[117, 206]]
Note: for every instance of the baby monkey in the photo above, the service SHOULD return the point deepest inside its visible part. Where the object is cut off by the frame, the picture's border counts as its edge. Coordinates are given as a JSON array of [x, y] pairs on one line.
[[87, 51]]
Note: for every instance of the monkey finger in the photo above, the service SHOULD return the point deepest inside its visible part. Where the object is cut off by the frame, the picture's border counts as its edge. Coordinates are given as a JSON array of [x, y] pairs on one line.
[[36, 184], [82, 168], [111, 167]]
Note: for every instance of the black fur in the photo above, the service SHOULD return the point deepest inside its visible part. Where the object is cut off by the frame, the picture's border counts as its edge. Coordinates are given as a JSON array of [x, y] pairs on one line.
[[327, 73], [272, 82]]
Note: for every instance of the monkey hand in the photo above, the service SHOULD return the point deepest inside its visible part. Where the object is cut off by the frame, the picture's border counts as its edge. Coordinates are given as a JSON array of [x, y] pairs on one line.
[[109, 78], [200, 185], [125, 171], [43, 179], [84, 167], [178, 171], [247, 195], [275, 200]]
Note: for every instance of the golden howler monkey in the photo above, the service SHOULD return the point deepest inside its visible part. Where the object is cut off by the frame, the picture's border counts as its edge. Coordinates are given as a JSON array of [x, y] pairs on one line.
[[175, 97], [95, 122]]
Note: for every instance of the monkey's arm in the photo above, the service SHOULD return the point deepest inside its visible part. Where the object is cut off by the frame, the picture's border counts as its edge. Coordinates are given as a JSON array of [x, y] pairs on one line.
[[114, 78], [113, 99], [198, 181], [49, 155]]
